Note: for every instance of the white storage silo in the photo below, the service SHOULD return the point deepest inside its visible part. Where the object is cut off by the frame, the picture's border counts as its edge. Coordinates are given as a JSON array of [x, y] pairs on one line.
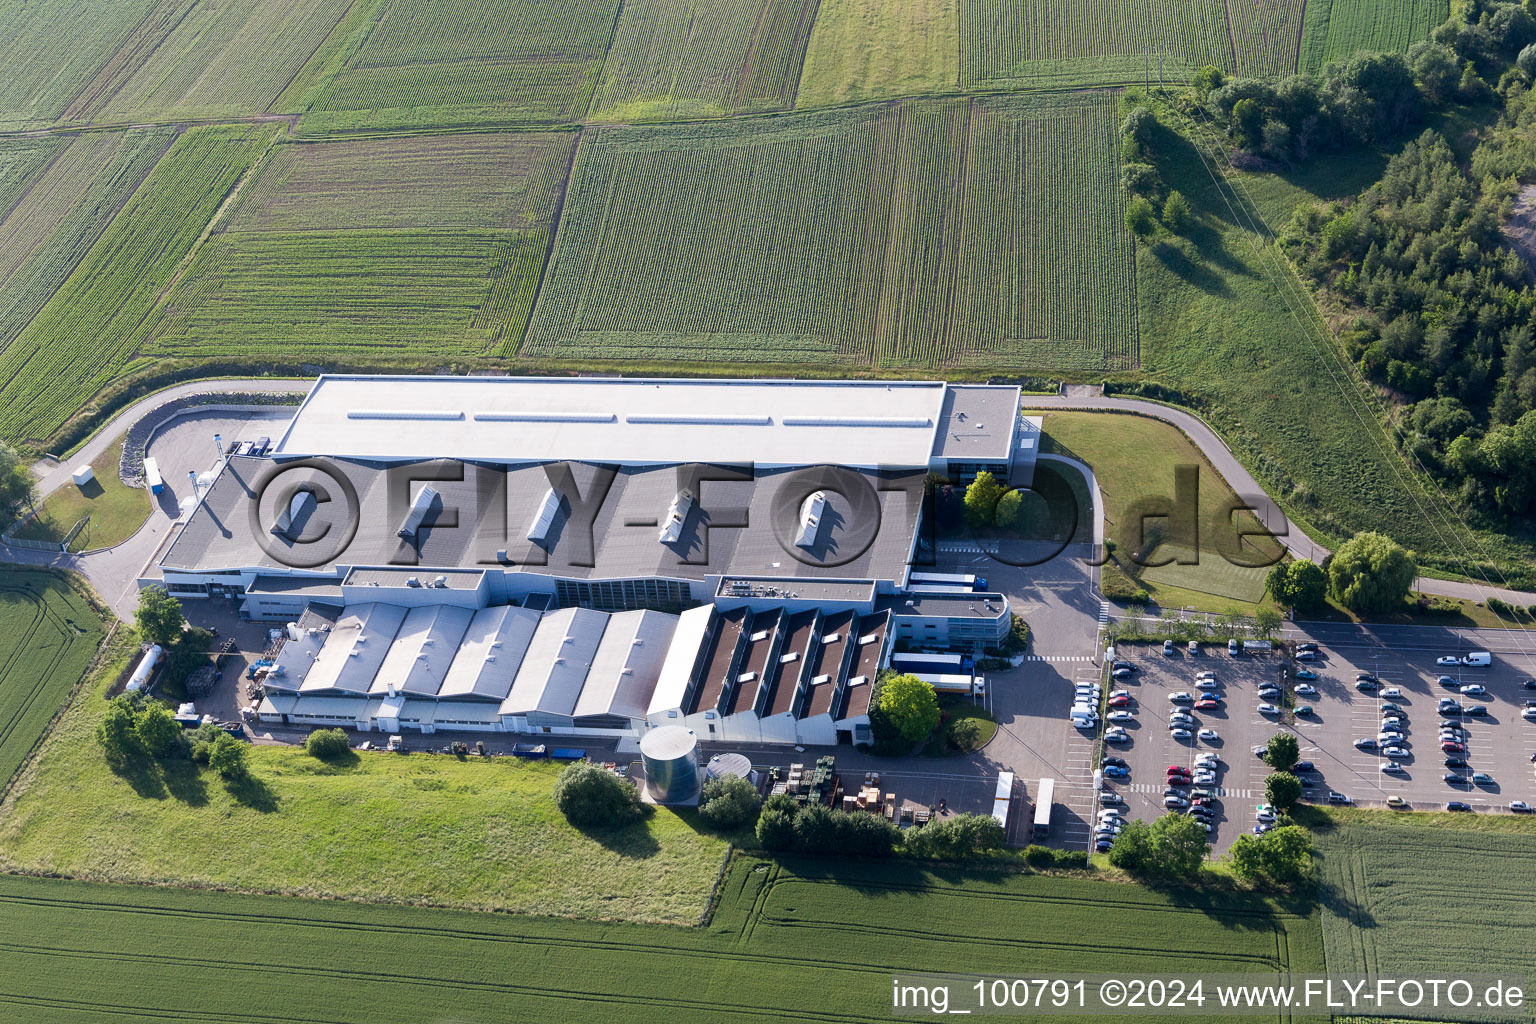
[[738, 765], [671, 758]]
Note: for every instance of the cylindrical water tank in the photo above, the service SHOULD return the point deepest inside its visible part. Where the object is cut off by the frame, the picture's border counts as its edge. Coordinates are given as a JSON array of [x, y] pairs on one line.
[[722, 765], [146, 667], [671, 758]]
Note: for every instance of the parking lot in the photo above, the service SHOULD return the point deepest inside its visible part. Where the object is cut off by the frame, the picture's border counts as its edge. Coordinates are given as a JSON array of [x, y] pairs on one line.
[[1499, 743], [1239, 778]]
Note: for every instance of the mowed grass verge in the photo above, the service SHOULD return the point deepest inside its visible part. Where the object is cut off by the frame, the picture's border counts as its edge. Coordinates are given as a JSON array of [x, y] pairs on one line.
[[1135, 458], [417, 828], [116, 510], [814, 941], [1402, 890], [48, 635]]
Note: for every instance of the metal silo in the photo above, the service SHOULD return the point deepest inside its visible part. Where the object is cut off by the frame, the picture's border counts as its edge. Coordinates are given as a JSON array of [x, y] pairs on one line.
[[671, 758]]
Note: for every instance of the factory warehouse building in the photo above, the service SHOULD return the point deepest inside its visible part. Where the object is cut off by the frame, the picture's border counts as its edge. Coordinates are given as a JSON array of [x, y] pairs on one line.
[[597, 557]]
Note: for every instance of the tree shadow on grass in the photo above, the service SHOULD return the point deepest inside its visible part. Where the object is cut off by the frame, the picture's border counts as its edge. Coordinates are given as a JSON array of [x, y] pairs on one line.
[[184, 781], [249, 791], [142, 773], [633, 841]]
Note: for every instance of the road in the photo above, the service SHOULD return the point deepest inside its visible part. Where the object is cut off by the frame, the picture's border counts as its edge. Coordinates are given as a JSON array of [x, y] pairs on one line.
[[1242, 482]]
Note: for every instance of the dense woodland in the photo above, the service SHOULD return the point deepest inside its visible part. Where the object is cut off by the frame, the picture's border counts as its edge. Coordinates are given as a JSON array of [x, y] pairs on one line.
[[1438, 308]]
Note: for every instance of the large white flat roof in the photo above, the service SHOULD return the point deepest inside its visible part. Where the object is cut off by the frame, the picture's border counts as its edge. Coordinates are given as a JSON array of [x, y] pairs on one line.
[[634, 421]]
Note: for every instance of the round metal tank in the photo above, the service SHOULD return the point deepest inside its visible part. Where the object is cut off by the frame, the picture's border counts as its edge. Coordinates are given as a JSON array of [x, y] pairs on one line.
[[671, 758], [722, 765]]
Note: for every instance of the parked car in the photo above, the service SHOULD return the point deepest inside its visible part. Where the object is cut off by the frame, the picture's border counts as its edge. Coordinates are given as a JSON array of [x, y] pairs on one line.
[[1260, 750], [1205, 778], [1452, 747], [1529, 684], [1305, 673], [1267, 709], [1119, 693], [1120, 673], [1181, 735], [1396, 801], [1392, 692], [1103, 846], [1449, 682], [1458, 805], [1366, 677], [1454, 779], [1302, 766], [1207, 704], [1474, 690], [1208, 685], [1304, 710], [1207, 758], [1448, 659], [1175, 801], [1395, 753], [1194, 647], [1112, 759], [1475, 710], [1392, 768], [1270, 690], [1122, 663], [1177, 769], [1335, 797], [1178, 780], [1482, 779], [1234, 648], [1395, 708], [1306, 690], [1181, 697], [1209, 735], [1168, 648], [1119, 702], [1109, 798], [1116, 771], [1264, 816], [1529, 713], [1307, 645], [1116, 736], [1520, 807], [1121, 716], [1456, 762]]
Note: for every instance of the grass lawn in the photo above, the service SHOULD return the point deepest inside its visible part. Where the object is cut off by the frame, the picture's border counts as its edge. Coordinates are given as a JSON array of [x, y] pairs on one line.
[[1226, 324], [1400, 891], [960, 709], [804, 940], [116, 510], [1134, 458], [417, 828]]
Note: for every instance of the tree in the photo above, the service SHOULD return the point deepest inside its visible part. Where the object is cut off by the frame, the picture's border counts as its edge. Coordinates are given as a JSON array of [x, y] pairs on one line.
[[1010, 510], [159, 616], [1207, 79], [729, 802], [229, 756], [910, 707], [1306, 584], [1526, 62], [1282, 789], [1140, 126], [1178, 845], [1176, 211], [1277, 582], [956, 838], [981, 499], [776, 822], [158, 730], [188, 654], [327, 744], [1132, 848], [1281, 855], [1266, 621], [17, 489], [116, 733], [1371, 572], [1140, 217], [1282, 751], [590, 795], [1248, 120]]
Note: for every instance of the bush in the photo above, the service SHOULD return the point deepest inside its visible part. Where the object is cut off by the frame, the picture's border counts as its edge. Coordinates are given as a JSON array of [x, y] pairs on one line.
[[956, 838], [116, 733], [158, 731], [590, 795], [1140, 217], [326, 744], [965, 734], [1176, 212], [776, 822], [229, 756], [729, 803], [819, 829]]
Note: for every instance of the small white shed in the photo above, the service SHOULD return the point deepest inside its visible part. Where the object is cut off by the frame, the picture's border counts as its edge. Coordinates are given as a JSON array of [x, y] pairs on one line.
[[83, 475]]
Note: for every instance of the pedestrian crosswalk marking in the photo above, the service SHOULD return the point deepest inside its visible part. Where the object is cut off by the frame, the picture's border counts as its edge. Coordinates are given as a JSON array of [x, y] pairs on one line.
[[967, 548], [1103, 614], [1059, 657]]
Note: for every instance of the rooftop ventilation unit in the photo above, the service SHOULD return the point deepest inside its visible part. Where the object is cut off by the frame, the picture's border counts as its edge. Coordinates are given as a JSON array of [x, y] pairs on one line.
[[677, 514], [858, 680], [761, 634], [544, 517], [868, 638], [440, 582], [299, 507], [412, 581], [746, 677], [419, 509], [811, 509]]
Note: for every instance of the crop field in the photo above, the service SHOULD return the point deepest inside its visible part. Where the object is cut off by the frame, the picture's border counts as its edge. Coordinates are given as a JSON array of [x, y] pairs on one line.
[[62, 213], [51, 51], [91, 328], [48, 635], [1336, 29], [703, 58], [817, 945], [1014, 44], [398, 249], [872, 49], [190, 59], [811, 239], [1266, 36], [1399, 898], [443, 63]]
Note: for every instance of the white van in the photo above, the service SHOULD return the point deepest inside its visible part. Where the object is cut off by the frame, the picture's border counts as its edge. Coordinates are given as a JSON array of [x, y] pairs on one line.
[[1479, 658]]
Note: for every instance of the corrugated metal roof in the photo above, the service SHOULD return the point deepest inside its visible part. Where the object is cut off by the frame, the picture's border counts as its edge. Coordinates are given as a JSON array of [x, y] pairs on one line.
[[423, 648], [677, 669], [491, 652], [355, 649], [627, 664], [551, 675]]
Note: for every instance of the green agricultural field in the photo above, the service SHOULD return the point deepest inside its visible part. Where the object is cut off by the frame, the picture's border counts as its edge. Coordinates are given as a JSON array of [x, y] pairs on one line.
[[378, 251], [1135, 458], [53, 48], [190, 59], [702, 58], [89, 332], [50, 226], [817, 943], [812, 239], [23, 159], [1398, 896], [1029, 44], [421, 828], [1337, 29], [48, 635], [444, 63], [1266, 36], [873, 49]]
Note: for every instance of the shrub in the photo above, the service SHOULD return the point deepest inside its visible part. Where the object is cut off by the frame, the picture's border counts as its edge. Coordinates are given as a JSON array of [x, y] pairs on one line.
[[956, 838], [590, 795], [1140, 217], [327, 744], [158, 731], [776, 822], [729, 803], [965, 734], [819, 829], [116, 733], [1176, 212], [229, 756]]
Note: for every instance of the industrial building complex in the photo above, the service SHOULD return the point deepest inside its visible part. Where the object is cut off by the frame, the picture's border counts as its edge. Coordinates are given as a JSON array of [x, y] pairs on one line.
[[597, 557]]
